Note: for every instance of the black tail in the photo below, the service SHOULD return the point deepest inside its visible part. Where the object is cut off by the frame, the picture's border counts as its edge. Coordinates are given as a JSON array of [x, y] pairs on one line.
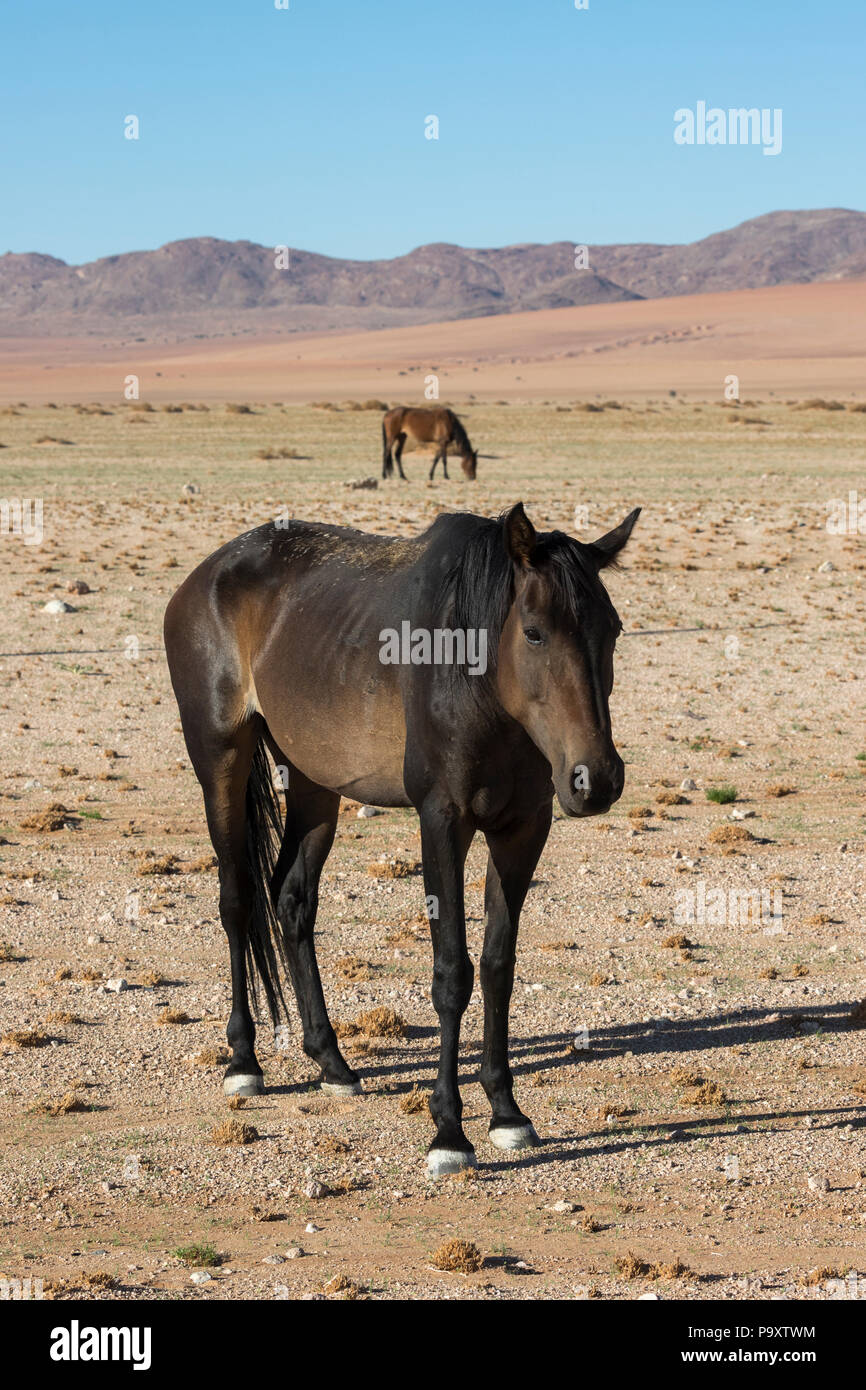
[[266, 952]]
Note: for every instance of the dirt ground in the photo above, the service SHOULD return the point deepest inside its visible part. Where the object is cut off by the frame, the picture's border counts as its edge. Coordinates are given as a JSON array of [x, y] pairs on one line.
[[700, 1088]]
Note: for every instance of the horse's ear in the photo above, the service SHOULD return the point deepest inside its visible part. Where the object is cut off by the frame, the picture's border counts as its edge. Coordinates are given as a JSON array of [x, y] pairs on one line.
[[520, 537], [607, 548]]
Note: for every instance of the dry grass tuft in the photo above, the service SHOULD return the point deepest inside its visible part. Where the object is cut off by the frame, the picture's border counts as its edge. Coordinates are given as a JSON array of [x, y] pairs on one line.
[[54, 817], [380, 1022], [780, 789], [332, 1146], [684, 1076], [678, 942], [820, 1275], [394, 868], [631, 1266], [415, 1102], [729, 835], [25, 1037], [212, 1057], [164, 864], [341, 1287], [152, 978], [230, 1132], [707, 1093], [457, 1257], [172, 1016], [67, 1104]]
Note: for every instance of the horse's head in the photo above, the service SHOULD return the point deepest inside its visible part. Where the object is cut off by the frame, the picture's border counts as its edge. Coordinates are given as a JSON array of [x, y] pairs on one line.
[[555, 663], [470, 463]]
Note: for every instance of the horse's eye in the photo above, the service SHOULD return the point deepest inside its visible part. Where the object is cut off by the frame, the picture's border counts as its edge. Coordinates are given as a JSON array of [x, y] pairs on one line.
[[533, 636]]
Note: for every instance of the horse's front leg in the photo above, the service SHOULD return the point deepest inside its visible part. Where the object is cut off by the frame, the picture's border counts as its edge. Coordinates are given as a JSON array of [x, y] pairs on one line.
[[512, 861], [445, 840]]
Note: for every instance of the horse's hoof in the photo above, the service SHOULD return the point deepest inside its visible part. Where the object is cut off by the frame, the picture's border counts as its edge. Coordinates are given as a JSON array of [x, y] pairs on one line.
[[342, 1088], [443, 1161], [514, 1137], [244, 1084]]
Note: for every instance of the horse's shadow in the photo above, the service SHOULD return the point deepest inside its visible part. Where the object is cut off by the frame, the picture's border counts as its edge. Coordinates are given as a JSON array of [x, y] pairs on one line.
[[553, 1051]]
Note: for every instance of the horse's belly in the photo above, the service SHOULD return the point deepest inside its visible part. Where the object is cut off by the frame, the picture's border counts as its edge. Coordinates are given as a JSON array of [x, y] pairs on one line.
[[340, 740]]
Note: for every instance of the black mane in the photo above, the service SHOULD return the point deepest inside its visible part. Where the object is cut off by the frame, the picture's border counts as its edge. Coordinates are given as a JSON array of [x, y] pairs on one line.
[[477, 591]]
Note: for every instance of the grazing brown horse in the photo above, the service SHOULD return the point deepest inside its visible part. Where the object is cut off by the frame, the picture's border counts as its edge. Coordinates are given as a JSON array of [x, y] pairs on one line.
[[465, 672], [428, 425]]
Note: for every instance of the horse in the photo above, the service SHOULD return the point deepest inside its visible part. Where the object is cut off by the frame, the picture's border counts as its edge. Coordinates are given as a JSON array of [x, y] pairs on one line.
[[428, 425], [345, 656]]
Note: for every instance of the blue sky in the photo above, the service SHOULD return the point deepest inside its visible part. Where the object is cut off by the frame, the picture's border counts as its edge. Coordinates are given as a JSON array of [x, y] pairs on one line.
[[306, 126]]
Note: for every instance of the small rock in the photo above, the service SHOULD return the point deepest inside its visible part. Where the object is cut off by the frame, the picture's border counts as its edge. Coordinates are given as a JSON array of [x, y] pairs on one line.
[[116, 986], [294, 1252], [366, 812], [827, 568], [564, 1206], [356, 483], [190, 490], [77, 586], [57, 605], [201, 1276], [311, 1228], [315, 1190], [738, 814], [648, 1298], [688, 785], [274, 1260], [819, 1185]]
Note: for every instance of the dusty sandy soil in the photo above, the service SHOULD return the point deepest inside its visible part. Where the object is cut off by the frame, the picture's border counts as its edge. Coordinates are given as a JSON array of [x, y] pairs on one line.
[[797, 339], [742, 664]]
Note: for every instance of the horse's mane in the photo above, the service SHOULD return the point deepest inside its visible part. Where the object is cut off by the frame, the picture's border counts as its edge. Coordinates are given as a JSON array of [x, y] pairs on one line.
[[461, 438], [477, 592]]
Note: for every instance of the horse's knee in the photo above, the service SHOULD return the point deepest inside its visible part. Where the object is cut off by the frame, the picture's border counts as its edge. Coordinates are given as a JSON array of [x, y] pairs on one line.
[[452, 984]]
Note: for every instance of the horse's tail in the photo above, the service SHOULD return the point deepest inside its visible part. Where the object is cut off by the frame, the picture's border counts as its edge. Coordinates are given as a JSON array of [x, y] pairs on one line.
[[387, 465], [266, 951]]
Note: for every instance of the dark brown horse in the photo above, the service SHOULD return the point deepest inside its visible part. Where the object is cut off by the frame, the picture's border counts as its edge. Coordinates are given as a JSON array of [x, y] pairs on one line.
[[465, 672], [428, 425]]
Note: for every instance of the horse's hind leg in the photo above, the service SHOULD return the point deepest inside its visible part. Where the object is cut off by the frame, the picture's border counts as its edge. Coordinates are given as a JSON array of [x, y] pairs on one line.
[[387, 461], [311, 819], [223, 771], [445, 460], [436, 457], [512, 861]]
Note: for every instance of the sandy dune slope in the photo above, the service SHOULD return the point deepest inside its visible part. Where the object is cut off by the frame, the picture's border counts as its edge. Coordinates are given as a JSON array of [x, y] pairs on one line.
[[802, 338]]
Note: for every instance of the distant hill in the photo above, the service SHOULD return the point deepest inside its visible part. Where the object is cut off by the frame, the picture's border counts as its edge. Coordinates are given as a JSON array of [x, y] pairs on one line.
[[212, 288]]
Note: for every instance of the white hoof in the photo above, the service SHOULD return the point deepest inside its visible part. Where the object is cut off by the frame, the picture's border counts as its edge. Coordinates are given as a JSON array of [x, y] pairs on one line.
[[514, 1137], [244, 1084], [339, 1088], [443, 1161]]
